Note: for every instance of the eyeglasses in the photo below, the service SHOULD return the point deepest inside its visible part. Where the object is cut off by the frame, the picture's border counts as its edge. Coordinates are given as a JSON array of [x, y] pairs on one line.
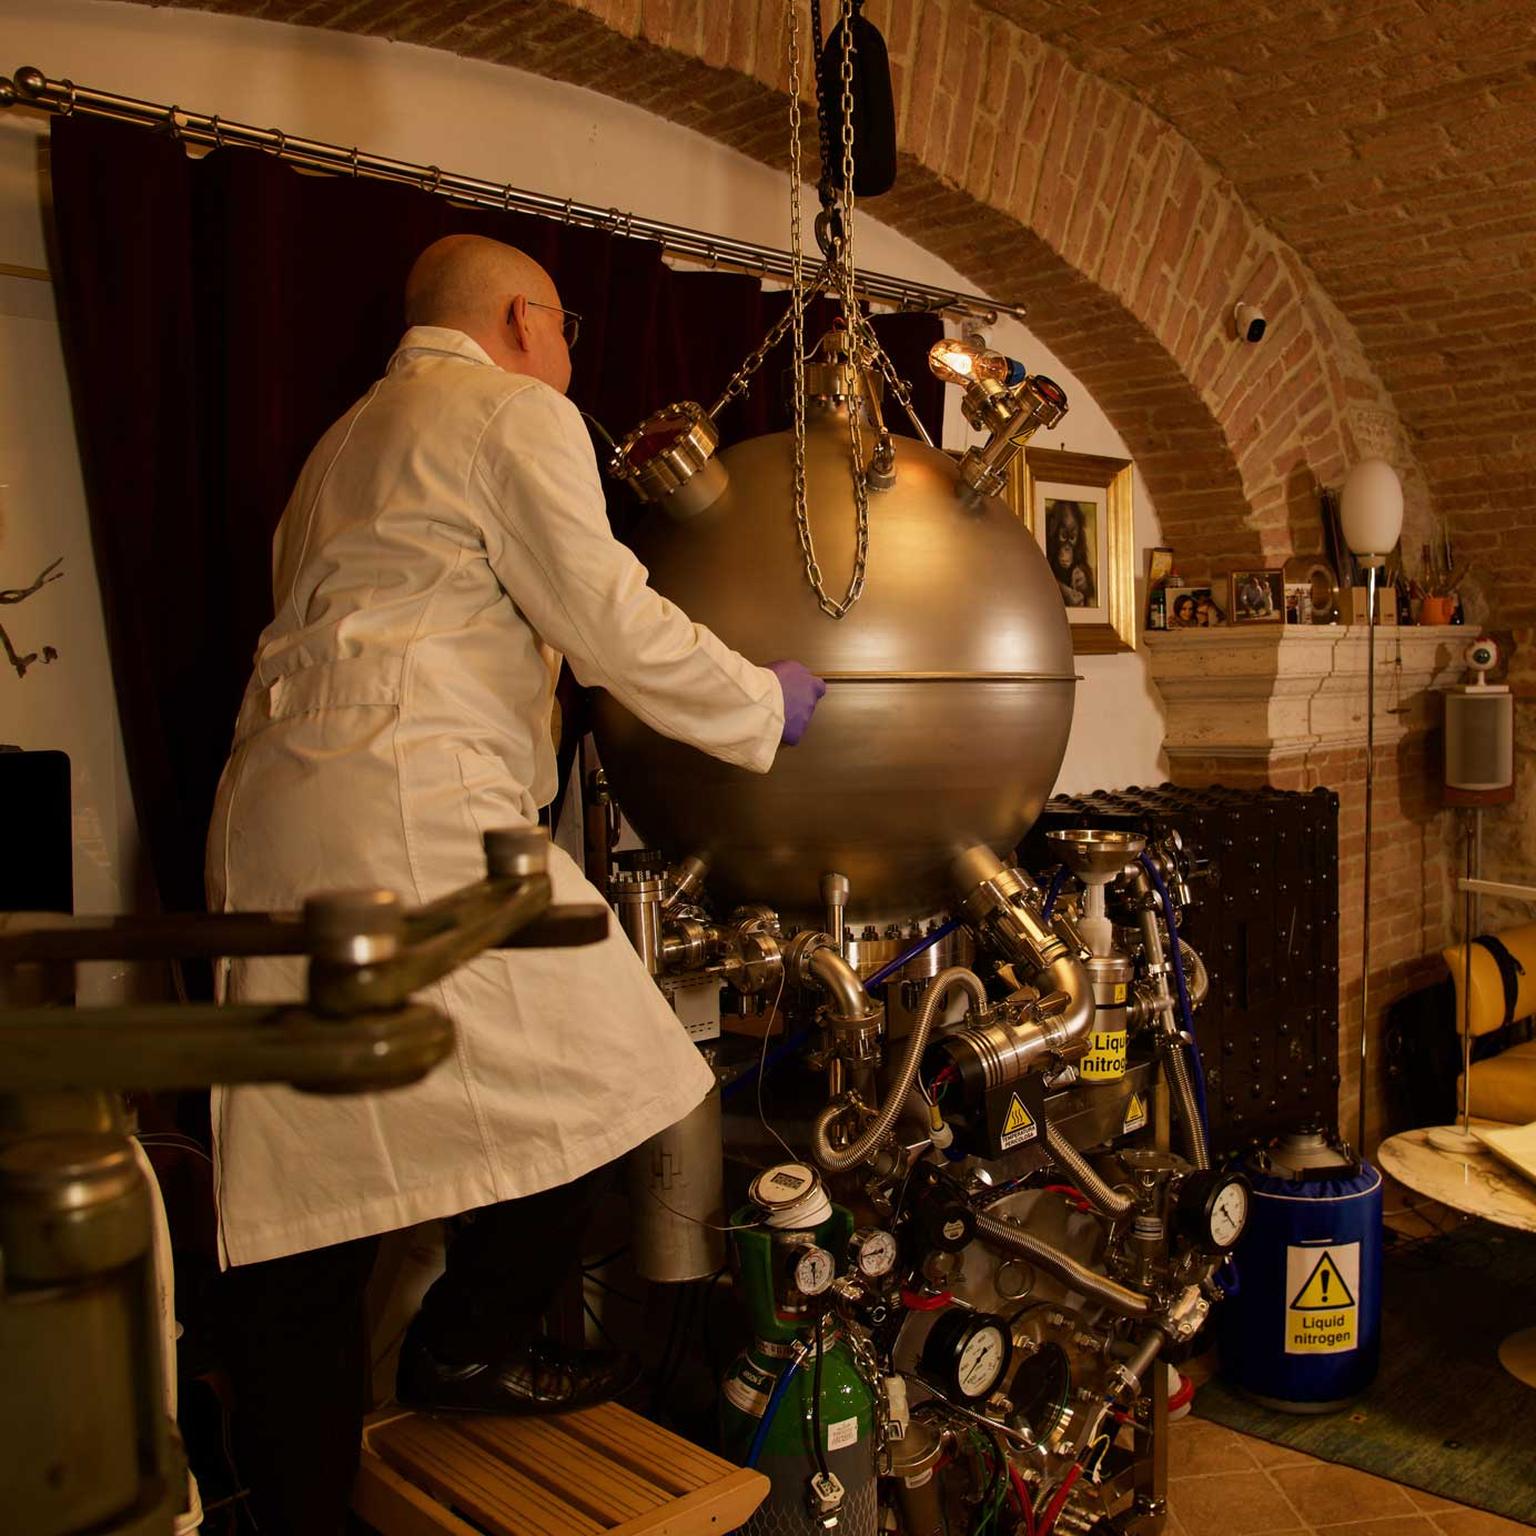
[[570, 321]]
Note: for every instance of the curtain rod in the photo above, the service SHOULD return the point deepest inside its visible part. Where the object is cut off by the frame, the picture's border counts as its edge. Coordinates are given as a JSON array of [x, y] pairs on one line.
[[29, 87]]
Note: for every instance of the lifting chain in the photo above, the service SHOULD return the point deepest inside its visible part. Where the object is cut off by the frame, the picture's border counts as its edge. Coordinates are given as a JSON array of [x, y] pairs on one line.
[[840, 259], [742, 377]]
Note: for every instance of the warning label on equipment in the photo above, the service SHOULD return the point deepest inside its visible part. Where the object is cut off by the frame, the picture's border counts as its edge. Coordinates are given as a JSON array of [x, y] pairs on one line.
[[1105, 1060], [1135, 1115], [1019, 1125], [1322, 1316]]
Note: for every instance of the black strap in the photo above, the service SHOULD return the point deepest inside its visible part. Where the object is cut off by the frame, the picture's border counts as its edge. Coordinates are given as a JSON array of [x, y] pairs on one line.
[[1510, 972]]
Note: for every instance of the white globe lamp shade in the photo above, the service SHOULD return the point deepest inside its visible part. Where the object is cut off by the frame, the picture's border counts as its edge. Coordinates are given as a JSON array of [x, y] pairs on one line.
[[1371, 509]]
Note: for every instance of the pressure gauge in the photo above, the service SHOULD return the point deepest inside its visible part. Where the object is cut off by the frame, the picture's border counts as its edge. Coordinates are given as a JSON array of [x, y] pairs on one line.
[[873, 1252], [814, 1270], [1213, 1209], [966, 1353]]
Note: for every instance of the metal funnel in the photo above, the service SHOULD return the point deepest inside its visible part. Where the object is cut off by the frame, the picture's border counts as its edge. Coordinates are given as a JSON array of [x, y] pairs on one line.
[[1096, 857]]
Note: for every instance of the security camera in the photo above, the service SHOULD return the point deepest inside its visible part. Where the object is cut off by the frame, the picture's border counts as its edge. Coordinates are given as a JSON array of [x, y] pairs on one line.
[[1249, 322]]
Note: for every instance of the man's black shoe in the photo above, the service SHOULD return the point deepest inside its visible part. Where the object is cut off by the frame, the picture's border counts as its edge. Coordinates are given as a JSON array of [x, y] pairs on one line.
[[537, 1377]]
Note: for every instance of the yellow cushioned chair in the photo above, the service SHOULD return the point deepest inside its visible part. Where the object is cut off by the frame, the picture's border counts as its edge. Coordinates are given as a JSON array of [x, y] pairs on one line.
[[1503, 1086]]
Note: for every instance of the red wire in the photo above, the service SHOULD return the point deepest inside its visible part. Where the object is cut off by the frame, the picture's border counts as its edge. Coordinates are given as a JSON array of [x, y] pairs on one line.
[[1072, 1193], [1054, 1508], [913, 1302], [1021, 1493]]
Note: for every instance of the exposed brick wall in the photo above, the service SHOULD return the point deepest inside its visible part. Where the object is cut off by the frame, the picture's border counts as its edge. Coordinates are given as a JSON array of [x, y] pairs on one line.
[[1038, 181], [1390, 144], [1412, 915]]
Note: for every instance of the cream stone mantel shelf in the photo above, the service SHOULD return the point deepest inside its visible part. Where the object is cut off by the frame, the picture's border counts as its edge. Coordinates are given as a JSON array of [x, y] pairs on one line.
[[1291, 690]]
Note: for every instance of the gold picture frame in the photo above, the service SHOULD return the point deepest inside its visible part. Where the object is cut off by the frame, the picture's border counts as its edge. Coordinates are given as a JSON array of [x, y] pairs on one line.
[[1089, 497]]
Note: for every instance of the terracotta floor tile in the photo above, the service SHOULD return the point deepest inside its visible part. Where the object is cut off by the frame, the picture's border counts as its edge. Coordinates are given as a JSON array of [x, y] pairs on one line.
[[1197, 1446], [1392, 1525], [1231, 1504], [1430, 1501], [1477, 1522], [1267, 1454], [1328, 1495]]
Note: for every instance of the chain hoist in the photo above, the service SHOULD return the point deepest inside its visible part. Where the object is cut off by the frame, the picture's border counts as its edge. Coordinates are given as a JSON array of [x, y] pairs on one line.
[[840, 263]]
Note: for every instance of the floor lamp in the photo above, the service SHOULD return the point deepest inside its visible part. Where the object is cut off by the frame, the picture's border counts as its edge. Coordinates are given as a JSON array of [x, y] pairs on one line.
[[1371, 512]]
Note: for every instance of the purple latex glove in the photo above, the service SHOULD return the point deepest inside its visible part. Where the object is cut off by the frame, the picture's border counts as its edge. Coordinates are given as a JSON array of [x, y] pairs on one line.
[[802, 689]]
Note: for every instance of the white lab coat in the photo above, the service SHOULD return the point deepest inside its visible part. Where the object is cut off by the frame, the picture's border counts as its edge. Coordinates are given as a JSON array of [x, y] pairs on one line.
[[443, 536]]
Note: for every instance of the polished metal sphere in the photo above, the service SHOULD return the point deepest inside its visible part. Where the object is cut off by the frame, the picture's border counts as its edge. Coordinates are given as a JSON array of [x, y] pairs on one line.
[[950, 681]]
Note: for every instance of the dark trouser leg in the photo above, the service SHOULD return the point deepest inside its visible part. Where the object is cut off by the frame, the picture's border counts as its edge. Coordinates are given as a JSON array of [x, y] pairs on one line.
[[297, 1351], [505, 1266]]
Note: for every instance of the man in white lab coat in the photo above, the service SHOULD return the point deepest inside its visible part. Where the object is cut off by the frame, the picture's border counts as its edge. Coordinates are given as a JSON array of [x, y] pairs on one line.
[[446, 536]]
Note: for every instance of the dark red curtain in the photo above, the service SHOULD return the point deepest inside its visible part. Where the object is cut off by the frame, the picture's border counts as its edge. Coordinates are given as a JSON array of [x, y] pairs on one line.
[[219, 313]]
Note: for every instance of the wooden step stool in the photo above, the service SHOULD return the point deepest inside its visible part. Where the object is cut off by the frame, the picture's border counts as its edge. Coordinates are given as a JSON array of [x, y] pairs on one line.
[[601, 1470]]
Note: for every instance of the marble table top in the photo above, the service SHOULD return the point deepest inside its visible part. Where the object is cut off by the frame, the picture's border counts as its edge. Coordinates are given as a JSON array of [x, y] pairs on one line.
[[1477, 1183]]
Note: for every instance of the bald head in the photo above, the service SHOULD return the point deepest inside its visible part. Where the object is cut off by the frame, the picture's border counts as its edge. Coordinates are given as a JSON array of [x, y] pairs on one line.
[[495, 294]]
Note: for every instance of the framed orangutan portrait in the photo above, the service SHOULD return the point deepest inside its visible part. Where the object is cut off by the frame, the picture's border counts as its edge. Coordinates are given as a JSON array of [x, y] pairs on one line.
[[1078, 506]]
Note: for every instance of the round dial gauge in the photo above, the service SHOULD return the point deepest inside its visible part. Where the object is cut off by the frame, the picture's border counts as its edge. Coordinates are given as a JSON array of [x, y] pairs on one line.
[[966, 1353], [815, 1269], [1213, 1209], [981, 1361], [873, 1252], [1228, 1213]]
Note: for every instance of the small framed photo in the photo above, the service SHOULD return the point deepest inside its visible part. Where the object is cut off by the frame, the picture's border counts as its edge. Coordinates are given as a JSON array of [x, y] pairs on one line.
[[1298, 602], [1257, 597], [1192, 608]]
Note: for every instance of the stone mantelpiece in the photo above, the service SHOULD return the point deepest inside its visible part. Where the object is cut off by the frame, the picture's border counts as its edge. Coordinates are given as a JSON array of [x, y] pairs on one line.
[[1283, 691]]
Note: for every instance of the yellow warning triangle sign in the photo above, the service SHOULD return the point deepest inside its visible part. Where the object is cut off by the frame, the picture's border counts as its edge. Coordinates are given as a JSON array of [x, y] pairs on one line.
[[1324, 1290], [1019, 1118], [1136, 1109]]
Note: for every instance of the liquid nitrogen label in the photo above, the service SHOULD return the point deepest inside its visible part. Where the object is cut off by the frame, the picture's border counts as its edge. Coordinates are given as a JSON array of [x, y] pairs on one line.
[[1323, 1314], [1105, 1061], [1019, 1126]]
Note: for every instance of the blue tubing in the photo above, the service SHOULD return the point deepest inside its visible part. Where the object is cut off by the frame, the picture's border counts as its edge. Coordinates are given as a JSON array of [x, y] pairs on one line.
[[1054, 892], [780, 1387], [1183, 990], [911, 952]]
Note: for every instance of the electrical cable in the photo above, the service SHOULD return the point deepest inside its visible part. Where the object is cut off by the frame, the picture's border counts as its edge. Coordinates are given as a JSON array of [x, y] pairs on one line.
[[1044, 1526], [1021, 1494], [762, 1114]]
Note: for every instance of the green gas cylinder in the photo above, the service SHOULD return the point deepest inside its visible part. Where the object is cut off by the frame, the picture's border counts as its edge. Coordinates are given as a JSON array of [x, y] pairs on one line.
[[798, 1370]]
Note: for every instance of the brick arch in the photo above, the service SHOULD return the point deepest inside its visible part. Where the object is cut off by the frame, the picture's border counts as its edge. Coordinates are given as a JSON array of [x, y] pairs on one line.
[[1038, 181]]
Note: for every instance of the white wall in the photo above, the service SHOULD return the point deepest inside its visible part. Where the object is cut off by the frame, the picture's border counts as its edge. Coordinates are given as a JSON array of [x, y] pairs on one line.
[[423, 106]]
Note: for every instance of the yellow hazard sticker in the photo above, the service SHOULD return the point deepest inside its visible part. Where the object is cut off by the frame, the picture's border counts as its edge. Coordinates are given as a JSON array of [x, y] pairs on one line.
[[1322, 1315], [1135, 1115], [1018, 1125], [1120, 993], [1105, 1060]]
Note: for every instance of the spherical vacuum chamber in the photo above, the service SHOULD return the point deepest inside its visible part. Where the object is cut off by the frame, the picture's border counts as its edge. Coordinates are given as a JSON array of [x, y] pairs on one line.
[[950, 681]]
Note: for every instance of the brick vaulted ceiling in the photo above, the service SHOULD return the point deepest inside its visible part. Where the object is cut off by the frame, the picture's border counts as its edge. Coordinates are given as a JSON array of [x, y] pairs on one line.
[[1364, 168]]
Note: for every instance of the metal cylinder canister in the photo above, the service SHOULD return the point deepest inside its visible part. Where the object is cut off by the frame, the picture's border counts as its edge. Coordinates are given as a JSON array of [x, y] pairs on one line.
[[1104, 1061], [1302, 1331], [677, 1196]]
